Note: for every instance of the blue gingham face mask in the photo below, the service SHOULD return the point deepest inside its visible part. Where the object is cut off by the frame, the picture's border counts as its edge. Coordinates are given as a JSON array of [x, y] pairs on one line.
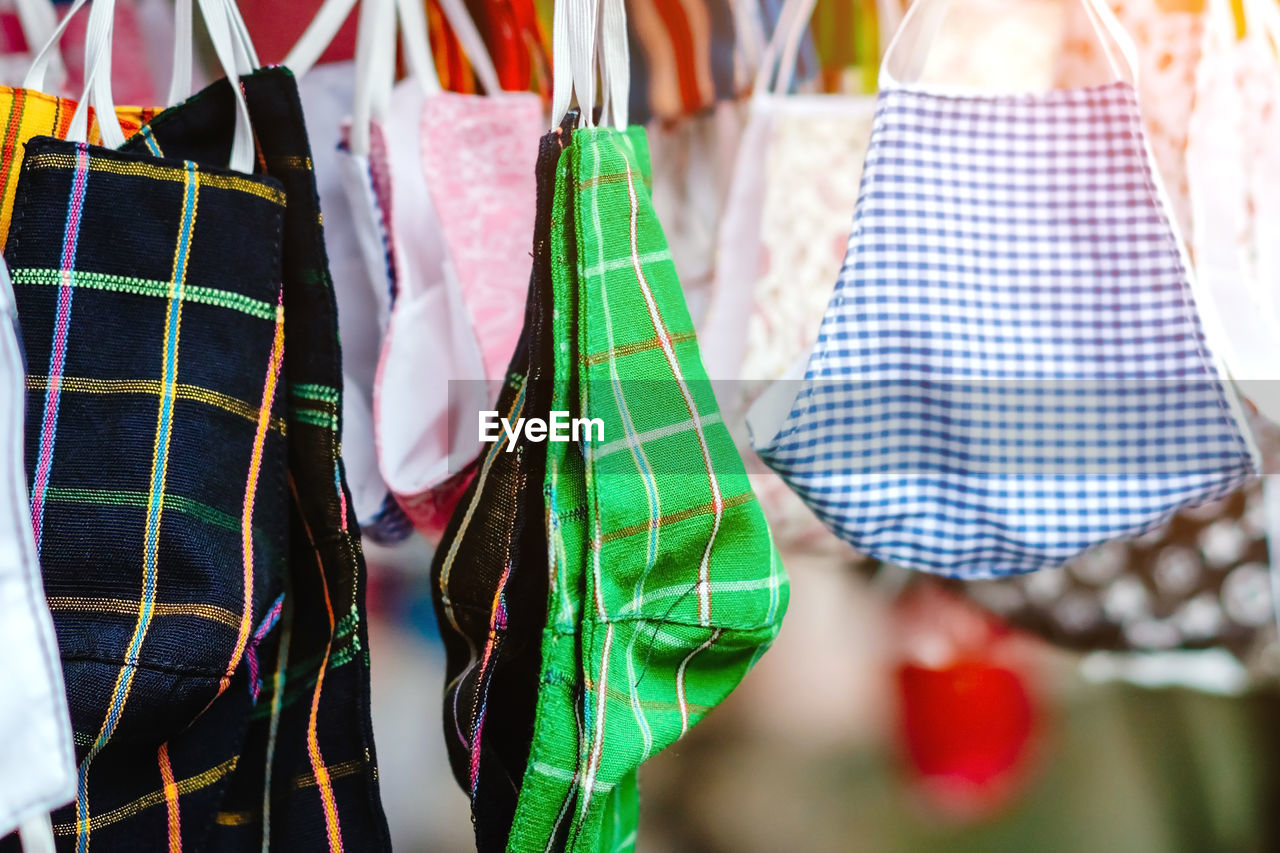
[[1012, 368]]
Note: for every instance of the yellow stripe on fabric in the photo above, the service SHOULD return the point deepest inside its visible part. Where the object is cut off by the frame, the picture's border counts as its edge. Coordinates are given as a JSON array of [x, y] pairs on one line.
[[28, 114], [291, 161], [149, 287], [161, 172], [155, 798], [592, 359], [127, 607], [337, 771], [304, 780], [233, 818], [155, 505], [251, 493], [88, 385], [323, 780], [682, 515]]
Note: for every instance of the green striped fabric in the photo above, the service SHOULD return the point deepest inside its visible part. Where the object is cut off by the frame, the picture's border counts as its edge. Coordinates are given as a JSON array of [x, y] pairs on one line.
[[666, 585]]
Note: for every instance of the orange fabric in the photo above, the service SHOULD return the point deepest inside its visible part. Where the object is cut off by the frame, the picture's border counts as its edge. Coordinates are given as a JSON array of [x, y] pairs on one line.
[[27, 114]]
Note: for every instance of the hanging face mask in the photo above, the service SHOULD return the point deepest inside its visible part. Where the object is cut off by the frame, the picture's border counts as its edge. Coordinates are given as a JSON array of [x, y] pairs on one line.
[[1012, 367], [37, 768], [327, 93], [786, 226], [478, 155], [1222, 148]]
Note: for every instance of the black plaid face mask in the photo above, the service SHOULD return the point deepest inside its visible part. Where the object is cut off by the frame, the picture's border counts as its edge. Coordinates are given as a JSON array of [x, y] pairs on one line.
[[157, 464], [307, 775], [489, 576], [280, 752]]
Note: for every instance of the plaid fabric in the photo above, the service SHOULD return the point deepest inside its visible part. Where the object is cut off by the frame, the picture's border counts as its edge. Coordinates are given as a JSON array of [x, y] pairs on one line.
[[156, 458], [28, 114], [666, 587], [306, 778], [489, 579], [1012, 368]]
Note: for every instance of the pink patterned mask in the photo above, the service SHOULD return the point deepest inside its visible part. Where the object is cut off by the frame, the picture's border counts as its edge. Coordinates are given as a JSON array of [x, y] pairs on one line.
[[461, 220], [478, 155]]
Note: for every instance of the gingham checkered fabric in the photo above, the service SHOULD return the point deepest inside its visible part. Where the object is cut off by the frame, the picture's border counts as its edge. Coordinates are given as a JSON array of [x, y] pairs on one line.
[[666, 587], [157, 467], [1011, 369], [306, 777]]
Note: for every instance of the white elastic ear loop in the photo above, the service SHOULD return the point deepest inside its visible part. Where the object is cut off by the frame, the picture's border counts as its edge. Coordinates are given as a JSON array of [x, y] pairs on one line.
[[791, 53], [888, 19], [914, 36], [561, 75], [573, 36], [472, 44], [317, 37], [183, 48], [39, 21], [242, 38], [583, 25], [615, 64], [375, 71], [223, 37], [48, 54], [97, 83], [749, 32], [246, 58], [1103, 21], [37, 835], [417, 45], [1107, 26]]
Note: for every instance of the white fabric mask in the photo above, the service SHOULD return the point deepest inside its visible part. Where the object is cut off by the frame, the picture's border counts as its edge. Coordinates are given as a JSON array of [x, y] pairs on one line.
[[326, 93], [37, 761]]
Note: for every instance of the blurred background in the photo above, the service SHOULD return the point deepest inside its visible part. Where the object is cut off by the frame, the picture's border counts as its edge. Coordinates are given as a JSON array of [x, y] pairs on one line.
[[863, 729], [1132, 708]]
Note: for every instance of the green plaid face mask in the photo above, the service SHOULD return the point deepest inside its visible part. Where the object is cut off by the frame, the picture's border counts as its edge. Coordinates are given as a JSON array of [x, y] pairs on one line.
[[665, 586]]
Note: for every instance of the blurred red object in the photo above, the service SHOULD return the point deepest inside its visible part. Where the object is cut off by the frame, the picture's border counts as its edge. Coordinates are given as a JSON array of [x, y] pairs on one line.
[[968, 718], [132, 79], [276, 26]]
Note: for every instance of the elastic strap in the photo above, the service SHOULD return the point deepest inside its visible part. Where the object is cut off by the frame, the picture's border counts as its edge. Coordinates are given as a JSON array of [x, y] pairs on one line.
[[472, 44], [417, 45], [909, 49], [37, 835], [48, 54], [573, 48], [39, 20], [317, 37], [234, 56], [615, 64], [375, 70], [97, 79], [183, 48]]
